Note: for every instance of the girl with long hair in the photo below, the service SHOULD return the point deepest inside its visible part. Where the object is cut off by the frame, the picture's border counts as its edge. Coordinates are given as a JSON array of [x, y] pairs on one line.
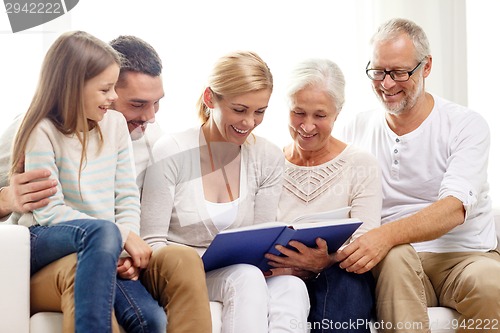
[[95, 211]]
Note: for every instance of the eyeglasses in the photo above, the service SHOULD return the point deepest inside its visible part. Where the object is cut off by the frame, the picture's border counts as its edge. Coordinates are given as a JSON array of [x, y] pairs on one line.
[[397, 75]]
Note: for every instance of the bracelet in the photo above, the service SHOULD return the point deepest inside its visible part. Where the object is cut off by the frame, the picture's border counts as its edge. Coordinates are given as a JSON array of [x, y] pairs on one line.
[[313, 277]]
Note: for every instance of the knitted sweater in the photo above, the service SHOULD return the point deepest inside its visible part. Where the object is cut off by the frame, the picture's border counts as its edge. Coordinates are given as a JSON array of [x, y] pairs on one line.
[[350, 179], [105, 189]]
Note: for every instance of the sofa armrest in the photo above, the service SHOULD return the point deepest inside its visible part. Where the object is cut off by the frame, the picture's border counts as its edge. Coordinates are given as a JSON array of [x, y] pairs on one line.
[[14, 279]]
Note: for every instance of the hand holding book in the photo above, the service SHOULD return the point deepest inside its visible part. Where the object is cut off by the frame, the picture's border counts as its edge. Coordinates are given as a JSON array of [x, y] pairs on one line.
[[250, 244], [300, 260]]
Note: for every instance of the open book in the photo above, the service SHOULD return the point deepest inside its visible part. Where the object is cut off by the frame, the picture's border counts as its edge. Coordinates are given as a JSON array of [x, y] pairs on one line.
[[248, 245]]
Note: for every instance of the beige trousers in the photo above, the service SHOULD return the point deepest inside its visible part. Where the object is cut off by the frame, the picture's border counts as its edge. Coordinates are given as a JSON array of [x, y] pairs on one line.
[[51, 290], [408, 282], [175, 277]]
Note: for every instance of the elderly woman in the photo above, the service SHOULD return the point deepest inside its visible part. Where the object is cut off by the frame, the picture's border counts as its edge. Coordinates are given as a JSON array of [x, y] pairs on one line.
[[323, 173]]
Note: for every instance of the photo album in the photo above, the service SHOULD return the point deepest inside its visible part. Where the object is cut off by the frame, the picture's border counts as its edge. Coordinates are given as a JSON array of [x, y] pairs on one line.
[[248, 245]]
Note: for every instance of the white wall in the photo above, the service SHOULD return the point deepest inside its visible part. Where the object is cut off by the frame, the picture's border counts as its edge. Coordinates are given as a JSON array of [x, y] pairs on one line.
[[483, 57], [189, 35]]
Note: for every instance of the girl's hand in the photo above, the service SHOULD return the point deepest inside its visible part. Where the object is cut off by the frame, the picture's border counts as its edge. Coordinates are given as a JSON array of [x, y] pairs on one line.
[[139, 250], [126, 269]]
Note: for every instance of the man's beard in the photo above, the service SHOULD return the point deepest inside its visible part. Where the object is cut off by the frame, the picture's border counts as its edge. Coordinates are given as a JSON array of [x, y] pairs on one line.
[[404, 105]]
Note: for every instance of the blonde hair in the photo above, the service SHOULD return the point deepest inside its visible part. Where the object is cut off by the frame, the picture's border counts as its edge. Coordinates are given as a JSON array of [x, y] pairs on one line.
[[234, 74], [73, 59]]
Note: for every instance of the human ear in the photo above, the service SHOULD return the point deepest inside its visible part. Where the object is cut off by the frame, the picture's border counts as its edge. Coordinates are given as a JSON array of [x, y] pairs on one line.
[[208, 97], [336, 116], [428, 66]]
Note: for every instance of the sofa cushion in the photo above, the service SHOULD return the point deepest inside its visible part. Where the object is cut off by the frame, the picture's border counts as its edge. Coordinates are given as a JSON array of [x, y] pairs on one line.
[[51, 322]]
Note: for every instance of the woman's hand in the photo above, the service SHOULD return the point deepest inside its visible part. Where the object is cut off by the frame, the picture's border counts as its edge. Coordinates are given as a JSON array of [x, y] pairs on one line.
[[304, 258]]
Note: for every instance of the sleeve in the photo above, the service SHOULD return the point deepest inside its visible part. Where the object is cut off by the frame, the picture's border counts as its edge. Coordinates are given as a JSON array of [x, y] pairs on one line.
[[127, 206], [466, 172], [366, 196], [270, 185], [158, 194], [6, 139], [40, 153]]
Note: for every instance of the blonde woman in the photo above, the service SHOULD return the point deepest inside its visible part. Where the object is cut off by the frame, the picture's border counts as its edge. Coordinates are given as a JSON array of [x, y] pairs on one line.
[[219, 176]]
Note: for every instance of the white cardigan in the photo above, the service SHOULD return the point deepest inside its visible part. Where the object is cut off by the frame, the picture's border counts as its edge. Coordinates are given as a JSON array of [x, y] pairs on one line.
[[173, 203]]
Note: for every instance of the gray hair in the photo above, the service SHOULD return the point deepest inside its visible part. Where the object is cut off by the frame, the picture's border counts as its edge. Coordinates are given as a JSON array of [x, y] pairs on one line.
[[397, 26], [322, 73]]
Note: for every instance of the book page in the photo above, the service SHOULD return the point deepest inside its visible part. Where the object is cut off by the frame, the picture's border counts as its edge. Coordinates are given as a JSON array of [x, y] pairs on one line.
[[334, 232], [324, 223], [340, 213], [266, 225]]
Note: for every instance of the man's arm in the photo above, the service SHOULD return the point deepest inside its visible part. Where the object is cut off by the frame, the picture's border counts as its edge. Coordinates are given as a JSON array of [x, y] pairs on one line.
[[27, 191], [430, 223]]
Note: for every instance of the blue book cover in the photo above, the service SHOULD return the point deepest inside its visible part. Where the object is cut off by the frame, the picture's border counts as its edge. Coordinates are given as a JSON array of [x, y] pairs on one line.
[[238, 246], [248, 245]]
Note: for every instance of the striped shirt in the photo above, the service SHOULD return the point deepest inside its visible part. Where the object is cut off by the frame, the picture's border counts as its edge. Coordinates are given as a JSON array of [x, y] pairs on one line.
[[106, 188]]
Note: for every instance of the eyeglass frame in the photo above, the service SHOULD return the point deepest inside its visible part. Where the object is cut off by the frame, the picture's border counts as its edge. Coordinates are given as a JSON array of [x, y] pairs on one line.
[[410, 73]]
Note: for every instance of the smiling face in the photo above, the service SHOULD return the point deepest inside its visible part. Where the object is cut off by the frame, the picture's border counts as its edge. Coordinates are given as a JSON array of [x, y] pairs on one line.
[[138, 100], [233, 118], [398, 54], [99, 93], [312, 115]]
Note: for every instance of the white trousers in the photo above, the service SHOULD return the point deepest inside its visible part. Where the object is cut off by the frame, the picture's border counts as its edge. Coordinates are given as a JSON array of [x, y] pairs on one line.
[[255, 304]]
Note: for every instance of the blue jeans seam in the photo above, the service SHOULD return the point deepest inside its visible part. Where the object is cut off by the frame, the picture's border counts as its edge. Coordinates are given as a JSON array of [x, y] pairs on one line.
[[138, 312]]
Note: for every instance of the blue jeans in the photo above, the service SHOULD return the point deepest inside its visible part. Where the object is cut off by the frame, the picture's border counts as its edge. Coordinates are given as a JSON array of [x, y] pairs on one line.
[[136, 310], [341, 301], [98, 245]]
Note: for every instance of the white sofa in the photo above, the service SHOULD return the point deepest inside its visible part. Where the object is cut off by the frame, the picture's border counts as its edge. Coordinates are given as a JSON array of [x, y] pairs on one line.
[[14, 291], [14, 288]]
